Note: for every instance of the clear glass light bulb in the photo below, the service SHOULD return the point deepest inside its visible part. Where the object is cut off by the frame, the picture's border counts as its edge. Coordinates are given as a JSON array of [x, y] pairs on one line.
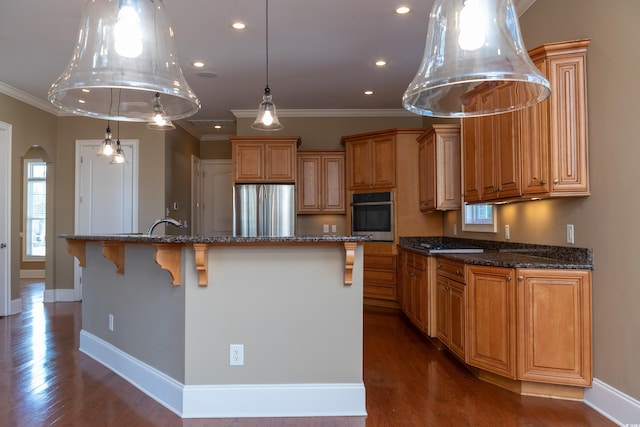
[[267, 119], [472, 25], [127, 33]]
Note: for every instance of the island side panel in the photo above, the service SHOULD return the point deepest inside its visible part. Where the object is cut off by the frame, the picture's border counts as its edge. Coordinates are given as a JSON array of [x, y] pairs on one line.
[[148, 311], [288, 306]]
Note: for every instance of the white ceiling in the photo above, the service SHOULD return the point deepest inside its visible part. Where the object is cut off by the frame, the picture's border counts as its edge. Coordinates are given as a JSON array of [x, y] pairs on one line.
[[321, 52]]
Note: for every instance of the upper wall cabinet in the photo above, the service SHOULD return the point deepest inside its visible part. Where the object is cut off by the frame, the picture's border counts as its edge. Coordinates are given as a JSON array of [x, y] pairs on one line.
[[320, 184], [264, 159], [439, 168], [371, 161], [537, 152]]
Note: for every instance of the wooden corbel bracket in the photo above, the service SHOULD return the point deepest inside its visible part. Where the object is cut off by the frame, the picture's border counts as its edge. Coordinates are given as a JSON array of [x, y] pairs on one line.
[[202, 261], [114, 252], [78, 249], [168, 257], [350, 256]]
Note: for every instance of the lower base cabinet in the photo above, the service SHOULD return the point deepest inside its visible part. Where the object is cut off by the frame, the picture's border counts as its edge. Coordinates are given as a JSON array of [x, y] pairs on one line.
[[379, 277], [554, 326], [414, 282], [451, 307]]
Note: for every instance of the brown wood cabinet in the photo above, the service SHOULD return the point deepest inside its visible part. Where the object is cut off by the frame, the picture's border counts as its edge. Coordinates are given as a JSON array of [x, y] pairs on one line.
[[439, 168], [451, 307], [264, 159], [554, 132], [538, 152], [379, 275], [416, 293], [372, 161], [321, 183], [491, 324], [554, 326]]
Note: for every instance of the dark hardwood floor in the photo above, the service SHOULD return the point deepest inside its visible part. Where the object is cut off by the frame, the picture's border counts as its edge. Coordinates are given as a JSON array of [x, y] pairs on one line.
[[46, 381]]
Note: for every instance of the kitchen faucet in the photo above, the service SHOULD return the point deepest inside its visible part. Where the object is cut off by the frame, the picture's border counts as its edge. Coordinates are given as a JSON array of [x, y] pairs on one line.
[[171, 221]]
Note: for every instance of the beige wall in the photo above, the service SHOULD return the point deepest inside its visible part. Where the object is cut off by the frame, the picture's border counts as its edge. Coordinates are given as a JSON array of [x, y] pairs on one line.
[[606, 220], [29, 126]]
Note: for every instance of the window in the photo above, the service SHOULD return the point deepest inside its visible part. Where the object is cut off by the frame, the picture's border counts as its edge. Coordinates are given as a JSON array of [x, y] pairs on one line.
[[479, 218], [35, 197]]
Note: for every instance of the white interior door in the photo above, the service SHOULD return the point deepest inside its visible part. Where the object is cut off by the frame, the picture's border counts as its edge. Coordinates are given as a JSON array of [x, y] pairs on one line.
[[217, 198], [106, 194], [5, 219]]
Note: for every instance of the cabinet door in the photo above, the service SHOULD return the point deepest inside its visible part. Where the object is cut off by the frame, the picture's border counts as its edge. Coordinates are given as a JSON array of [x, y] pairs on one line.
[[383, 151], [472, 158], [332, 188], [360, 161], [280, 161], [421, 293], [309, 182], [534, 139], [568, 125], [554, 326], [447, 165], [488, 161], [491, 309], [248, 162], [507, 146], [427, 173], [457, 321], [443, 310]]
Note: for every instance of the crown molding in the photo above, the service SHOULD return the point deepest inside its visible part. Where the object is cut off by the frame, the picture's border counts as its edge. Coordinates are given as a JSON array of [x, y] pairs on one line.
[[397, 112], [29, 99]]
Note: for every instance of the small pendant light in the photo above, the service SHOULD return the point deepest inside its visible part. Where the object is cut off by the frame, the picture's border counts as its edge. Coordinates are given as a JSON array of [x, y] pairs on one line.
[[473, 45], [125, 45], [267, 118], [107, 148], [118, 157], [159, 120]]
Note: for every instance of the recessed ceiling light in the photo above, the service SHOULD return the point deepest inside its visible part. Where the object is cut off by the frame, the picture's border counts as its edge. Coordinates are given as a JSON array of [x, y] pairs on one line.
[[198, 64], [381, 62], [217, 127], [368, 92], [403, 10], [86, 90], [81, 101], [238, 26]]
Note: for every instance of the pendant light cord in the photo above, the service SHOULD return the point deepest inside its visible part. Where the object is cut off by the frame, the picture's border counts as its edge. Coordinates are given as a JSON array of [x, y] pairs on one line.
[[267, 39]]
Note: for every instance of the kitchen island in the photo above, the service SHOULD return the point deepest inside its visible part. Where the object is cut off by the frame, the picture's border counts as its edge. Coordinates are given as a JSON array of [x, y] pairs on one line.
[[164, 312]]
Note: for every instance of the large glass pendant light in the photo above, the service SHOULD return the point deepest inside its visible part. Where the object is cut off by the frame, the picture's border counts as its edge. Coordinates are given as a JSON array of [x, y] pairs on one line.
[[124, 46], [159, 120], [118, 156], [267, 118], [473, 46]]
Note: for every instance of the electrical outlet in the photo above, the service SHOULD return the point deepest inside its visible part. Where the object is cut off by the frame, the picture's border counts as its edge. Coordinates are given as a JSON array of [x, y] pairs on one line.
[[111, 322], [507, 232], [236, 354], [325, 228], [570, 234], [334, 228]]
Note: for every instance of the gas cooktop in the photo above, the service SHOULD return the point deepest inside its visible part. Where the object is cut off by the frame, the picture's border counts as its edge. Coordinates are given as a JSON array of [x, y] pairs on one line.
[[449, 248]]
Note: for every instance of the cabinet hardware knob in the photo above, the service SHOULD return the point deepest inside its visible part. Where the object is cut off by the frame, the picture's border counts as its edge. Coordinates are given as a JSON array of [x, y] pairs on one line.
[[496, 189], [439, 265], [458, 272], [509, 278], [555, 181], [521, 278], [543, 182]]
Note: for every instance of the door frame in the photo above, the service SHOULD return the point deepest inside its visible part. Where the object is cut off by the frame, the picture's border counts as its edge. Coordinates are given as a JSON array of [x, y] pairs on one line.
[[80, 143], [5, 177]]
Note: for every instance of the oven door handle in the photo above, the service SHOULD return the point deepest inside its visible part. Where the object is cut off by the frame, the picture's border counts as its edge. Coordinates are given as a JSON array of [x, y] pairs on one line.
[[372, 203]]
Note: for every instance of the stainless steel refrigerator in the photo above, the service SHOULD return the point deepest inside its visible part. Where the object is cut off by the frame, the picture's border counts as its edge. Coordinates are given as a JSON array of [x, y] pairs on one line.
[[264, 210]]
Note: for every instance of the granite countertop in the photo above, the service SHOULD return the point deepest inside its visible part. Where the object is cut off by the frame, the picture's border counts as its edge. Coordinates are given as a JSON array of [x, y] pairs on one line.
[[184, 239], [509, 255]]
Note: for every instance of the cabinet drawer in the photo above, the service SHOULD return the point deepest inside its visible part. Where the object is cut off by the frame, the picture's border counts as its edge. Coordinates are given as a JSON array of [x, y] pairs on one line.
[[379, 276], [380, 292], [451, 269], [380, 262]]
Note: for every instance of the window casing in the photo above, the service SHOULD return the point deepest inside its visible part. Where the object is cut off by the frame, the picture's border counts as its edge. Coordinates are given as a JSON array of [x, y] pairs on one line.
[[35, 209], [479, 218]]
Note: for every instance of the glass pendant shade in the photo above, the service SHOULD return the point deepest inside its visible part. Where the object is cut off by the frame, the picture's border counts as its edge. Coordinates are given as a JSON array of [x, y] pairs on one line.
[[474, 46], [118, 156], [107, 148], [159, 120], [124, 54], [267, 118]]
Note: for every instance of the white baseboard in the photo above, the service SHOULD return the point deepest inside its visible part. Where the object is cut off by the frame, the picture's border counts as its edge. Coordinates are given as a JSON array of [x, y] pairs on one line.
[[59, 295], [612, 403], [32, 274], [229, 401]]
